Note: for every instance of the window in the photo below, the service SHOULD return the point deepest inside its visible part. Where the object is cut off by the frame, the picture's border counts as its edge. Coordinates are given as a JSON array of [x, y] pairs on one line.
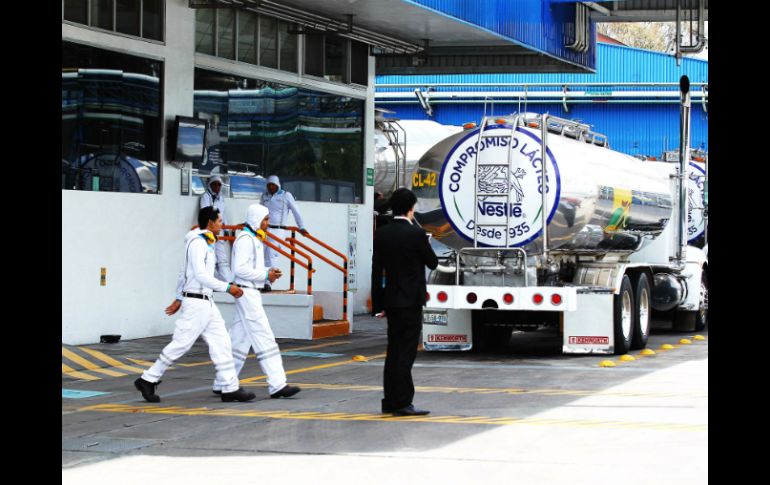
[[336, 59], [288, 43], [312, 140], [152, 19], [204, 31], [247, 37], [139, 18], [127, 17], [111, 120], [102, 14], [225, 33], [265, 41]]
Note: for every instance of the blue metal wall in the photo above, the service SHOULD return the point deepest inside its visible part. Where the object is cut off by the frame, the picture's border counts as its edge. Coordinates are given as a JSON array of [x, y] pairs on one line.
[[538, 24], [646, 129]]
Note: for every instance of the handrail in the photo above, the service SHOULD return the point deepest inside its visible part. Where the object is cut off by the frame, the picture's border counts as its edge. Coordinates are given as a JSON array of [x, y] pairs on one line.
[[308, 266], [343, 269]]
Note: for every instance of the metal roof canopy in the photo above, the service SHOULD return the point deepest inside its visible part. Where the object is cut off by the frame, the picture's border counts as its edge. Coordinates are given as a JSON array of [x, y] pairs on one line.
[[639, 10], [410, 38]]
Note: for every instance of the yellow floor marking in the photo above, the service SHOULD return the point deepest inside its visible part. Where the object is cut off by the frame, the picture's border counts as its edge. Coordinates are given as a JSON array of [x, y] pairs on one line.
[[109, 360], [88, 364], [486, 390], [294, 349], [67, 370], [467, 420], [141, 362], [313, 368]]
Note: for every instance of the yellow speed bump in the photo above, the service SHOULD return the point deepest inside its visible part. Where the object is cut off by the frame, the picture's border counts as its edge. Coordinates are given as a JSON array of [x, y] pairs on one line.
[[627, 358], [606, 363], [685, 341], [699, 337], [360, 358], [666, 347], [647, 352]]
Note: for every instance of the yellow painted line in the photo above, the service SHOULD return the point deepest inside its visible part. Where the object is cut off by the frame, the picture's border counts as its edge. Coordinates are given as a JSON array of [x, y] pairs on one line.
[[88, 364], [467, 420], [485, 390], [109, 360], [141, 362], [313, 368], [67, 370], [294, 349]]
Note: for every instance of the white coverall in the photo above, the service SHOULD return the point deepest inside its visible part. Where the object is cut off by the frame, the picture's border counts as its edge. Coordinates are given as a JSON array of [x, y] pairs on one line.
[[279, 205], [198, 317], [250, 327], [222, 248]]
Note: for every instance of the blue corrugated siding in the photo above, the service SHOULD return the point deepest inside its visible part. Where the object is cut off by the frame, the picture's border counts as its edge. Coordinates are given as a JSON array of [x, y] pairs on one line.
[[537, 24], [632, 128], [615, 64]]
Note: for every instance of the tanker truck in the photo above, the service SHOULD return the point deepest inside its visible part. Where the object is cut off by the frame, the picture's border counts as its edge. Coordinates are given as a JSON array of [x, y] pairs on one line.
[[548, 226]]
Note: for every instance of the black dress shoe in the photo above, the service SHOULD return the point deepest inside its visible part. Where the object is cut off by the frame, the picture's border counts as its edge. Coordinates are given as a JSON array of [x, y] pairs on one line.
[[218, 393], [147, 389], [239, 395], [287, 391], [410, 411]]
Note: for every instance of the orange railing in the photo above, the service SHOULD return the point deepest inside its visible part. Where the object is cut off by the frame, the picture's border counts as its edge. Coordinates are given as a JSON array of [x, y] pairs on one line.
[[343, 269], [294, 250]]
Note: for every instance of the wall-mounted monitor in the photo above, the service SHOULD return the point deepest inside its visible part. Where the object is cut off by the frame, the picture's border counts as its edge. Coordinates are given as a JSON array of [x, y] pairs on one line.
[[190, 135]]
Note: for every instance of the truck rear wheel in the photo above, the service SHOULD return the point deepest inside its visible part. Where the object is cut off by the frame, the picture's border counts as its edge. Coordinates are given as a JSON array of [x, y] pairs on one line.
[[702, 315], [623, 318], [642, 311]]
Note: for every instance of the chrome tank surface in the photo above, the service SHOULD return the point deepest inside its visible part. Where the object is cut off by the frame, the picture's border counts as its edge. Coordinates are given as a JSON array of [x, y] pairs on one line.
[[421, 135], [598, 199]]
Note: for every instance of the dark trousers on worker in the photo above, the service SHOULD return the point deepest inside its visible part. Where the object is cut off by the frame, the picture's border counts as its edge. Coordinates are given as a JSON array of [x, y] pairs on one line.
[[404, 326]]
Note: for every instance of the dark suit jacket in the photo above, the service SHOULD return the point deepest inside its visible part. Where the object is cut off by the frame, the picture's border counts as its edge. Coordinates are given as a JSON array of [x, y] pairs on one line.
[[403, 251]]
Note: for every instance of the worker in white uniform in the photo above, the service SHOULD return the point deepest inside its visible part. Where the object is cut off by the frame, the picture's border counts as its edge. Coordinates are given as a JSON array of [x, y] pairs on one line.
[[251, 327], [200, 316], [213, 197], [279, 202]]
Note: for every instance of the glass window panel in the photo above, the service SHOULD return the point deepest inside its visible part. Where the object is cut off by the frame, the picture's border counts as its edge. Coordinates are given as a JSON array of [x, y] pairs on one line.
[[101, 14], [312, 140], [247, 37], [268, 44], [76, 11], [152, 19], [314, 54], [359, 63], [127, 17], [204, 31], [334, 50], [111, 123], [288, 48], [226, 45]]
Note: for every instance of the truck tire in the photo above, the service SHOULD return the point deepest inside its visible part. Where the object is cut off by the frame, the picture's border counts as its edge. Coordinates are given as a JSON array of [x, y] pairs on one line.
[[623, 317], [642, 311], [702, 315]]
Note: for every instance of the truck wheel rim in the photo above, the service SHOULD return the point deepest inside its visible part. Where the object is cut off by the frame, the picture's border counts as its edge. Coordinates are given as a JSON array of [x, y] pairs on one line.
[[704, 300], [625, 319], [644, 312]]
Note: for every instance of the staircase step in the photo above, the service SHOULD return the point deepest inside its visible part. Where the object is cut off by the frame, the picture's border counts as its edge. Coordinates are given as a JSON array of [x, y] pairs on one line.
[[330, 328], [318, 313]]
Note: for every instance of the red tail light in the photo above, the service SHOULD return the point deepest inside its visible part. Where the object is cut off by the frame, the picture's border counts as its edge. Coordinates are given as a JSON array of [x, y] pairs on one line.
[[556, 299], [538, 298], [442, 296], [427, 296], [508, 298], [471, 297]]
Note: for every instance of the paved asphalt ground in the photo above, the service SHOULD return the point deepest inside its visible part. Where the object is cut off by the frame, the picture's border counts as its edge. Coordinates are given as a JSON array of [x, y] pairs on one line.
[[524, 415]]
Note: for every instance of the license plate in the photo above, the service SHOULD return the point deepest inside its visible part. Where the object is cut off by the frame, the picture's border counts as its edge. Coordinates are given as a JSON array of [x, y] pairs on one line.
[[434, 318]]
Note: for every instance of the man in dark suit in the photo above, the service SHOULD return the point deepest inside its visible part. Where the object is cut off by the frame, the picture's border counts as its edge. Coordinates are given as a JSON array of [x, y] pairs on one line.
[[403, 250]]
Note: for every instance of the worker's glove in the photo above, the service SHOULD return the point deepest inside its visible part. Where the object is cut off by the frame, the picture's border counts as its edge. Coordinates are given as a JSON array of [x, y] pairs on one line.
[[304, 232]]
